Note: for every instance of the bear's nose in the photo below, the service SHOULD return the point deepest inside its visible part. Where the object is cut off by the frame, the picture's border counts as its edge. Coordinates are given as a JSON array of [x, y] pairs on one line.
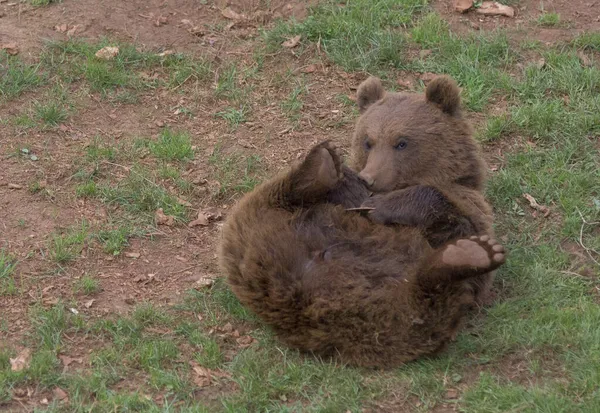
[[367, 178]]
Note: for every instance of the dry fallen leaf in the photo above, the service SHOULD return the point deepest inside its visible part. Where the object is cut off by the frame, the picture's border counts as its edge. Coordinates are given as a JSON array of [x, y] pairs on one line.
[[161, 20], [162, 219], [534, 204], [89, 303], [21, 361], [10, 48], [451, 394], [293, 42], [427, 76], [66, 360], [60, 394], [227, 328], [107, 53], [205, 216], [61, 28], [228, 13], [492, 8], [462, 6], [15, 186], [74, 30], [204, 282], [309, 69], [245, 341], [202, 376], [132, 254], [584, 59]]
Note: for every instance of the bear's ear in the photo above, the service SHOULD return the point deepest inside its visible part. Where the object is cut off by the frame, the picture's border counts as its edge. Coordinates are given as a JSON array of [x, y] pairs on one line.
[[444, 91], [369, 92]]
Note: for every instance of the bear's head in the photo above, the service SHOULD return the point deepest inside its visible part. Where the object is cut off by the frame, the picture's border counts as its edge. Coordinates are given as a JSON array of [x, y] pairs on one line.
[[406, 139]]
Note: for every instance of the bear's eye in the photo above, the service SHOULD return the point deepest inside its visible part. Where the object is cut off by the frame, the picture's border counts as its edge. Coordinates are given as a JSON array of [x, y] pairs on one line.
[[400, 145], [367, 144]]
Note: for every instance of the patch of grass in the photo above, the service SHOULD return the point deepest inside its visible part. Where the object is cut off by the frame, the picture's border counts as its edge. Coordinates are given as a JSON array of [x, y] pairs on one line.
[[476, 61], [146, 314], [182, 69], [97, 151], [589, 40], [235, 173], [87, 190], [8, 285], [43, 2], [17, 77], [114, 240], [51, 113], [357, 35], [49, 326], [87, 285], [549, 20], [293, 104], [139, 193], [234, 117], [69, 245], [209, 354], [274, 380], [172, 146]]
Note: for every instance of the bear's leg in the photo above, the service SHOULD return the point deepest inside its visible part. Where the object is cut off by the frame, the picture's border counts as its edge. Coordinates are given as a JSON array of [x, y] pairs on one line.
[[460, 260], [308, 182]]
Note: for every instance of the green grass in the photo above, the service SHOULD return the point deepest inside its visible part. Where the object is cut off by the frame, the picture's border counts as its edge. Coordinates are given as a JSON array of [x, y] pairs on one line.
[[17, 77], [8, 284], [87, 285], [589, 40], [69, 245], [549, 20], [234, 117], [292, 106], [357, 35], [51, 114], [43, 2], [234, 172], [172, 146]]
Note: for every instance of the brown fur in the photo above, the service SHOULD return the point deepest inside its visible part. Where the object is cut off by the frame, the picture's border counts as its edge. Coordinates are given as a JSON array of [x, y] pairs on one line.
[[437, 179], [336, 283]]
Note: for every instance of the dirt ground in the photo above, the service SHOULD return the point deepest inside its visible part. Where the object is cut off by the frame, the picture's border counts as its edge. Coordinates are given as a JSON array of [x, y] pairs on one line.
[[174, 258]]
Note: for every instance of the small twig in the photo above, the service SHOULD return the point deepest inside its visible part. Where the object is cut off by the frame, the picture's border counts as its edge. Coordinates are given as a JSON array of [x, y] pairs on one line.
[[587, 249]]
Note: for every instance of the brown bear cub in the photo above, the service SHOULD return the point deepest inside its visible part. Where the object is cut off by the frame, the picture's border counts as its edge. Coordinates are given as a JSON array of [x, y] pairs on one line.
[[382, 288]]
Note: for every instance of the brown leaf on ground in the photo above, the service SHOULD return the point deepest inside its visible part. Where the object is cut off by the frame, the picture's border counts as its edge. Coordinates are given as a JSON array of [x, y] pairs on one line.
[[228, 13], [162, 219], [451, 394], [534, 204], [309, 69], [584, 59], [492, 8], [245, 341], [205, 216], [203, 282], [10, 48], [66, 361], [160, 21], [21, 361], [132, 254], [15, 186], [462, 6], [89, 303], [60, 394], [427, 77], [202, 376], [292, 42], [107, 53], [61, 28], [74, 29]]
